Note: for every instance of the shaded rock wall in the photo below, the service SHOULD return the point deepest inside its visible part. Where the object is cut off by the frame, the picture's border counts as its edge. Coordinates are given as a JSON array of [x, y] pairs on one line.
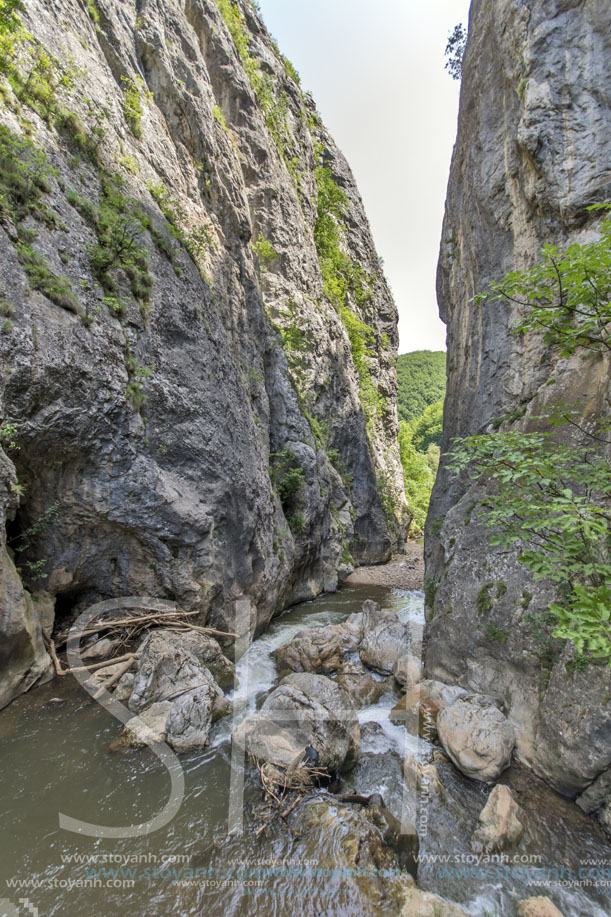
[[154, 426], [533, 151]]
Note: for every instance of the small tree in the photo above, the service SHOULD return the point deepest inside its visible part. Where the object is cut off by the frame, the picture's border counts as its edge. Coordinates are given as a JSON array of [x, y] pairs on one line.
[[455, 50], [550, 497]]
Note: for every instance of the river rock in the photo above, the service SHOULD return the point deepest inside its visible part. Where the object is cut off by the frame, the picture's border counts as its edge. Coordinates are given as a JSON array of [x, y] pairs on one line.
[[124, 688], [168, 667], [479, 740], [206, 650], [499, 827], [420, 776], [317, 650], [385, 638], [303, 710], [596, 800], [407, 670], [541, 906], [418, 708], [400, 837], [425, 904], [350, 631], [360, 684], [146, 727]]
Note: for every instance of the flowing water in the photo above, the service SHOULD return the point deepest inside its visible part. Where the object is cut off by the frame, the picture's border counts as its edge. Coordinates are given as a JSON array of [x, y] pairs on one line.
[[55, 758]]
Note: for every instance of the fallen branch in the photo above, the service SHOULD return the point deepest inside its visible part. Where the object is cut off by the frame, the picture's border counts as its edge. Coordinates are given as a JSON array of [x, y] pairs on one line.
[[95, 666], [114, 678], [53, 654]]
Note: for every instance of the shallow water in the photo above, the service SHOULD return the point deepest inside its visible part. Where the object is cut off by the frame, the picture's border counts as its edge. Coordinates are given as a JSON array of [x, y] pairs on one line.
[[55, 757]]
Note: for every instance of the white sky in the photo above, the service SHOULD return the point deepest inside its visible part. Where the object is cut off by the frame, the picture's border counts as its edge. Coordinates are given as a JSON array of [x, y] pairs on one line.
[[376, 71]]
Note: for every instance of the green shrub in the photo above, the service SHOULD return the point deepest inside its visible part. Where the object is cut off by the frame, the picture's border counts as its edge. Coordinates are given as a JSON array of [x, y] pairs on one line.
[[288, 478], [418, 478], [265, 251], [551, 500], [135, 98], [42, 278]]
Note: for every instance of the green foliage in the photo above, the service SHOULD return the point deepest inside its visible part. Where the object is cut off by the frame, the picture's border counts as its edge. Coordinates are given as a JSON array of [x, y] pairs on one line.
[[342, 278], [550, 499], [287, 475], [421, 381], [93, 11], [274, 105], [219, 117], [135, 98], [118, 223], [42, 278], [567, 295], [25, 177], [195, 241], [418, 475], [9, 18], [455, 50], [8, 435], [428, 429], [265, 251]]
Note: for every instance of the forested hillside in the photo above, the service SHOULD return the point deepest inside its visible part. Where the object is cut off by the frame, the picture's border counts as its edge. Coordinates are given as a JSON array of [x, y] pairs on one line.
[[421, 377]]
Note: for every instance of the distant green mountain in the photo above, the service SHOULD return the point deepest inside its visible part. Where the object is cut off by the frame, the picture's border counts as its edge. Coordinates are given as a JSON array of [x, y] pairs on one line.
[[421, 376]]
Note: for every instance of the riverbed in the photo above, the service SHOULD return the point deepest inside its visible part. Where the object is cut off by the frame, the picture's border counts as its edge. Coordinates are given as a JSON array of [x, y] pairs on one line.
[[56, 758]]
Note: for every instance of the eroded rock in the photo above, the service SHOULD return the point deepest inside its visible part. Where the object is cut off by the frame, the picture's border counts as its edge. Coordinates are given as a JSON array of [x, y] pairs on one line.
[[499, 827], [318, 650], [541, 906], [360, 684], [303, 710], [479, 740]]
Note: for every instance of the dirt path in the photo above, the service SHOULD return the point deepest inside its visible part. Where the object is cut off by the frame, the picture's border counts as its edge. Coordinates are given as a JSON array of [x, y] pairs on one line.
[[404, 571]]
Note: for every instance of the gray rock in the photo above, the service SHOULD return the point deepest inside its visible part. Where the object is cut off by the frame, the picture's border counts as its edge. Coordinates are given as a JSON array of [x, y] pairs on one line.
[[523, 174], [360, 684], [499, 827], [408, 670], [247, 357], [316, 650], [596, 800], [23, 658], [146, 727], [166, 668], [303, 710], [479, 740], [385, 638]]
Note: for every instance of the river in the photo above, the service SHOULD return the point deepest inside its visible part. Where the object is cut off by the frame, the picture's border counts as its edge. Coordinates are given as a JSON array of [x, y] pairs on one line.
[[55, 758]]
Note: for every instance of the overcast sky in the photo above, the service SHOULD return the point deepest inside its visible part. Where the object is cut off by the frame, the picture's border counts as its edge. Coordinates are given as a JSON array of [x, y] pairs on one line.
[[376, 71]]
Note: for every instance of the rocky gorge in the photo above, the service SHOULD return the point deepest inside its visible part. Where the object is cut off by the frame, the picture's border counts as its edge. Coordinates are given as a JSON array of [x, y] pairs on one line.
[[199, 461]]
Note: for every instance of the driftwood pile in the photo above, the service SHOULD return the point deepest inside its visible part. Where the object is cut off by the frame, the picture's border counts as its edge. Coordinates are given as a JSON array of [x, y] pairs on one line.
[[123, 629], [279, 783]]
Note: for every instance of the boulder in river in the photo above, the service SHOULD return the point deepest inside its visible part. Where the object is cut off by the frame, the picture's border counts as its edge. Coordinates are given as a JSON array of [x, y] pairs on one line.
[[425, 904], [420, 776], [385, 638], [499, 827], [408, 670], [541, 906], [173, 691], [303, 710], [318, 650], [360, 684], [478, 739]]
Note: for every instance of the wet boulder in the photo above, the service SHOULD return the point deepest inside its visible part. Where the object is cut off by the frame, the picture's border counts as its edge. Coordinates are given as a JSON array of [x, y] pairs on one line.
[[385, 638], [145, 728], [478, 739], [351, 631], [407, 670], [167, 669], [541, 906], [319, 650], [304, 710], [417, 903], [360, 684], [499, 827]]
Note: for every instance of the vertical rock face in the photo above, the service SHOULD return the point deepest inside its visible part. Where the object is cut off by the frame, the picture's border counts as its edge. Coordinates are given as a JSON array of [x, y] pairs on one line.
[[533, 152], [207, 415]]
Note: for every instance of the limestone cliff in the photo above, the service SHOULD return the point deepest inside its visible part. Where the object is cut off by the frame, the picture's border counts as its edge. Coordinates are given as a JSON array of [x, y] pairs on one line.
[[533, 151], [199, 343]]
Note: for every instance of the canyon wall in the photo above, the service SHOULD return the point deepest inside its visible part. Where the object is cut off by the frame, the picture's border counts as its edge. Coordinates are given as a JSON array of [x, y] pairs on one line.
[[533, 152], [198, 395]]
